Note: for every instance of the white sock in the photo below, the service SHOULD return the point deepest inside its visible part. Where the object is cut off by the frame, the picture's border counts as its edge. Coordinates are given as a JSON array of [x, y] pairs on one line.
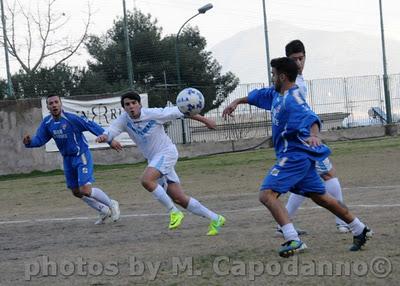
[[289, 232], [96, 204], [294, 203], [333, 188], [101, 196], [160, 195], [356, 226], [197, 208]]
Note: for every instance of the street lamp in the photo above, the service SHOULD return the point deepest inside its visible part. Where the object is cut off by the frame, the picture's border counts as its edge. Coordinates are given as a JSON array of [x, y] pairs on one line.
[[201, 10]]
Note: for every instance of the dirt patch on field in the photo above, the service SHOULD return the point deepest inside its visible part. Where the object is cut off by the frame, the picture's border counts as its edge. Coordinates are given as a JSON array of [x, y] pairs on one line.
[[37, 249]]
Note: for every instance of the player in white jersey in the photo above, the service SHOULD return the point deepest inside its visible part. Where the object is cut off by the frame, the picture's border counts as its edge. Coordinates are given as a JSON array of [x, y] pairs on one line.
[[296, 51], [145, 127]]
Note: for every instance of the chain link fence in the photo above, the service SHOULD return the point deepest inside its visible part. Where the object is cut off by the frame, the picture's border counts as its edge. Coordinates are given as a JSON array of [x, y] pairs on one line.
[[339, 102]]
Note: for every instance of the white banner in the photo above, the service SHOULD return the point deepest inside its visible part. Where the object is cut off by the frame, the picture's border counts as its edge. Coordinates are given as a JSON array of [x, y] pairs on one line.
[[102, 111]]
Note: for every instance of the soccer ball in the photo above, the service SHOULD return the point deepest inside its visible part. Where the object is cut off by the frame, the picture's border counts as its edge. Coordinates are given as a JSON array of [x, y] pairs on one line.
[[190, 101]]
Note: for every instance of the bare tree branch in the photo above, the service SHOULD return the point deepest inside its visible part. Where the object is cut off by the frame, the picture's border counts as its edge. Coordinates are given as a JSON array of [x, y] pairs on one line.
[[46, 25], [80, 42], [12, 47], [28, 40]]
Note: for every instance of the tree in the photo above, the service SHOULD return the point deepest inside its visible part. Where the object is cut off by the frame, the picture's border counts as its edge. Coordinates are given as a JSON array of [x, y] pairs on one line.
[[42, 34], [3, 88], [154, 63], [62, 80]]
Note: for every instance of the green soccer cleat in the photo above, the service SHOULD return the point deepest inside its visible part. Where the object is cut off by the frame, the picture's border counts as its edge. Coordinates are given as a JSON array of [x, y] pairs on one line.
[[175, 219], [215, 225], [291, 247]]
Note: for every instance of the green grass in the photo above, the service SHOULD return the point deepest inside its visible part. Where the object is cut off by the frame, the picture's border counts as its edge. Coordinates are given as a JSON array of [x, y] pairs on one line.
[[262, 156]]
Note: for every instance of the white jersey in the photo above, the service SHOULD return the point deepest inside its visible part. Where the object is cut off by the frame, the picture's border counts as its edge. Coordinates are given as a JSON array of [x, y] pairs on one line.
[[147, 131], [301, 83]]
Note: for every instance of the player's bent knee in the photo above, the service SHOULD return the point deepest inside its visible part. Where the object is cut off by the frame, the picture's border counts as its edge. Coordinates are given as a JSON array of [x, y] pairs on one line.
[[148, 184], [267, 196]]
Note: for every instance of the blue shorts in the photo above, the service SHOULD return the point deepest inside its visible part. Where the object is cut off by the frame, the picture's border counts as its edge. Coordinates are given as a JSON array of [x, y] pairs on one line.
[[296, 174], [78, 170]]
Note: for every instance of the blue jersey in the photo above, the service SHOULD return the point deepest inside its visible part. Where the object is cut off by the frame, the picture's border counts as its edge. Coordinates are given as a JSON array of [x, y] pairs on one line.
[[67, 132], [292, 119]]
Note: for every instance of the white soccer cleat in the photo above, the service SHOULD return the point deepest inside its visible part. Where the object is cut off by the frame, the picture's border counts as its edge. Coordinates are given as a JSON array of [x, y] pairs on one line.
[[103, 217], [115, 212]]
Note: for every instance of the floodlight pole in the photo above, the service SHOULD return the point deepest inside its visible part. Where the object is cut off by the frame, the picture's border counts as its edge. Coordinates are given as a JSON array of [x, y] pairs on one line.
[[128, 49], [385, 75], [266, 43], [201, 10], [9, 81]]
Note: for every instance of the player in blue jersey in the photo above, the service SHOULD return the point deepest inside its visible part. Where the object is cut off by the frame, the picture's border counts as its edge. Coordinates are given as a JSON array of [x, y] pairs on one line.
[[296, 51], [67, 131], [145, 126], [297, 146]]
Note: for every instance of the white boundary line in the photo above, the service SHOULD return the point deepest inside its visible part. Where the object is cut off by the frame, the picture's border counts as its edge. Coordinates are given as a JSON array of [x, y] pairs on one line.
[[65, 219], [33, 221], [255, 193]]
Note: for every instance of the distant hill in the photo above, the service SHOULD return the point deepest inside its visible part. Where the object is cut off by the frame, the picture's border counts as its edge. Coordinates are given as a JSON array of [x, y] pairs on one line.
[[329, 54]]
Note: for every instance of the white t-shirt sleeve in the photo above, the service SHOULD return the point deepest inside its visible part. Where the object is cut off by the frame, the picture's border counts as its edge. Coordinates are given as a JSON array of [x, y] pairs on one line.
[[116, 127], [302, 86], [163, 115]]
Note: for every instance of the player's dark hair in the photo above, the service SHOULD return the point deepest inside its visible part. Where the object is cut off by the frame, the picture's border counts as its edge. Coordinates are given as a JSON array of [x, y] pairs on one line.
[[131, 95], [51, 95], [295, 46], [286, 66]]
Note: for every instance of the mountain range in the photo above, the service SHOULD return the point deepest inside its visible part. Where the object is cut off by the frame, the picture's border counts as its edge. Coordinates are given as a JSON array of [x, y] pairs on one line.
[[328, 54]]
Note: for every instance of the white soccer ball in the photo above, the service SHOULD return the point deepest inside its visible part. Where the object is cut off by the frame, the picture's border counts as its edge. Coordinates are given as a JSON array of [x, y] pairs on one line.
[[190, 101]]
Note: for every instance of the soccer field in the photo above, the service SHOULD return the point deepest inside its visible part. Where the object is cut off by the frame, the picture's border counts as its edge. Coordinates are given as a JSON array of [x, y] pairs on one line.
[[47, 236]]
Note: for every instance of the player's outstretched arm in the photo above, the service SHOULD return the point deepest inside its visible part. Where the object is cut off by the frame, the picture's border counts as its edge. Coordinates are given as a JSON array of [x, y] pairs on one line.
[[232, 106], [103, 138], [206, 121], [41, 137]]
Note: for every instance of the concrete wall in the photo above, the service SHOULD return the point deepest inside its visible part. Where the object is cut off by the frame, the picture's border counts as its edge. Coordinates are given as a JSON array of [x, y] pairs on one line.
[[21, 117]]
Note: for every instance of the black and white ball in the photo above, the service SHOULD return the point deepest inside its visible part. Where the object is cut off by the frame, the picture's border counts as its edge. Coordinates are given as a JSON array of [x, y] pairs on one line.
[[190, 101]]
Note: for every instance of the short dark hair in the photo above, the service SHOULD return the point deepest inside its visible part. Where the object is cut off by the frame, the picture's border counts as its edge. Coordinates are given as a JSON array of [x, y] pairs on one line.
[[51, 95], [131, 95], [295, 46], [286, 66]]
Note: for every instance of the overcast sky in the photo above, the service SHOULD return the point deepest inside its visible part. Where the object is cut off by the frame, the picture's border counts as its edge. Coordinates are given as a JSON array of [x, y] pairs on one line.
[[229, 16]]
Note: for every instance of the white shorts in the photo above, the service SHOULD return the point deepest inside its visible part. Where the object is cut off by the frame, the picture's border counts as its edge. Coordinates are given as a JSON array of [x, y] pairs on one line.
[[323, 167], [165, 164]]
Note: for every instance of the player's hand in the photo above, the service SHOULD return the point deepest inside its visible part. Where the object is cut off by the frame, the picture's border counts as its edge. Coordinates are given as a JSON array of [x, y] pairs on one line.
[[229, 109], [210, 124], [116, 145], [27, 139], [102, 138], [314, 141]]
